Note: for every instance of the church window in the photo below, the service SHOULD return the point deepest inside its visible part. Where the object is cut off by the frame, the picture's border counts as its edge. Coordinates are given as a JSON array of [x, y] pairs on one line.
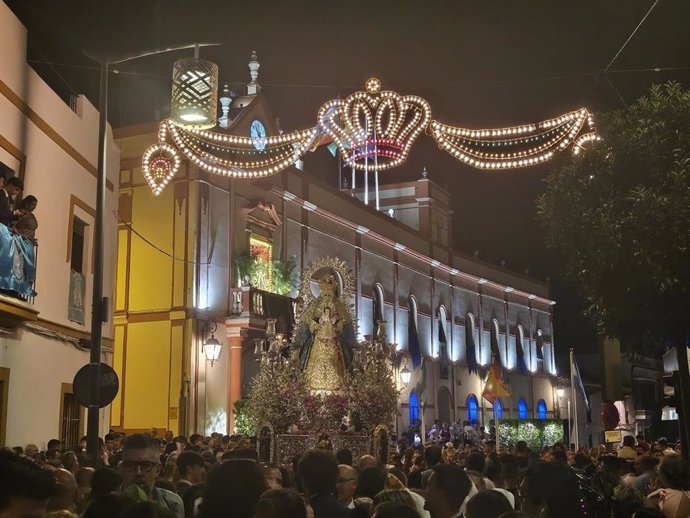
[[472, 408]]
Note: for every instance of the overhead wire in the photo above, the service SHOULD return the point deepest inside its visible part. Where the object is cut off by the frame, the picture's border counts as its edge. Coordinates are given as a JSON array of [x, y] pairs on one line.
[[155, 246]]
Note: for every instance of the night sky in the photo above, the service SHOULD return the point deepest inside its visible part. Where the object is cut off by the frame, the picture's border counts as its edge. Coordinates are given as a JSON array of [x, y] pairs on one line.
[[479, 64]]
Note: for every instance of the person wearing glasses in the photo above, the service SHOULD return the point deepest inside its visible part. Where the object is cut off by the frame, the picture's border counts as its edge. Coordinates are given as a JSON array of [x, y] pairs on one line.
[[346, 485], [140, 467]]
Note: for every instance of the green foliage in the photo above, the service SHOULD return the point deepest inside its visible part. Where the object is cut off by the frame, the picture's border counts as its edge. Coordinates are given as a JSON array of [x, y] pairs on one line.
[[280, 272], [277, 395], [244, 424], [619, 217], [536, 433], [284, 278]]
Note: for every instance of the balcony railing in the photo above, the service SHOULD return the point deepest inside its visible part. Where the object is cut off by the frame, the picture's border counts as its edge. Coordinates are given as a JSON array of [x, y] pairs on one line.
[[253, 302]]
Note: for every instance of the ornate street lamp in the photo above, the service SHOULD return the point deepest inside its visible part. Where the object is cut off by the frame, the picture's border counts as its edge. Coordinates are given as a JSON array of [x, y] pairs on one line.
[[211, 347], [405, 374], [194, 84], [560, 392]]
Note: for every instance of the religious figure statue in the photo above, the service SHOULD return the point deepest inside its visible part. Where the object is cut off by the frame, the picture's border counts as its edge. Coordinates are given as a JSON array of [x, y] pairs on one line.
[[324, 338]]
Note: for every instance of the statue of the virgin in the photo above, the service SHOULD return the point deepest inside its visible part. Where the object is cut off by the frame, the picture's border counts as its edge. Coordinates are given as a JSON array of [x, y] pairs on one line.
[[325, 337]]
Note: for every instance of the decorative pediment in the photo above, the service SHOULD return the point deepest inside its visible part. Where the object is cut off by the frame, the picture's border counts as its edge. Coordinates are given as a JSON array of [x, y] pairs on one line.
[[263, 214]]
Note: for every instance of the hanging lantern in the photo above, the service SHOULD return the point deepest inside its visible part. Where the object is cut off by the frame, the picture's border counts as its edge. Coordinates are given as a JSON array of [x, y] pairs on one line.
[[212, 349], [194, 101], [405, 374]]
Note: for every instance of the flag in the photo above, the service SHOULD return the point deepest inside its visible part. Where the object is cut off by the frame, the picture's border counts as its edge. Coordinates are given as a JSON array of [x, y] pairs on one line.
[[521, 364], [333, 148], [495, 387], [413, 342], [577, 382], [470, 350]]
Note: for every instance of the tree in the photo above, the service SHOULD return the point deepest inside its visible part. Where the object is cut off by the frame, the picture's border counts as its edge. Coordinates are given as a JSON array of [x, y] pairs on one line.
[[619, 217]]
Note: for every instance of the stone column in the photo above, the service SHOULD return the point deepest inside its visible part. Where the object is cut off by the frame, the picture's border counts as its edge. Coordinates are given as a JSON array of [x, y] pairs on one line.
[[235, 378]]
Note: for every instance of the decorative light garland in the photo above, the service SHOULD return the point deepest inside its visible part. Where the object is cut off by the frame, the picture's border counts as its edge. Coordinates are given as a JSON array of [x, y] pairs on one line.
[[374, 130]]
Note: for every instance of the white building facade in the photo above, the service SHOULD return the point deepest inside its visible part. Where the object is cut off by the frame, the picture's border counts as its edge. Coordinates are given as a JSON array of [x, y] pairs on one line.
[[44, 341]]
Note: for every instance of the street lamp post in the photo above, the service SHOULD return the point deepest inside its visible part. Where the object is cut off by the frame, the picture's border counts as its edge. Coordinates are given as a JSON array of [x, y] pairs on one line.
[[99, 305]]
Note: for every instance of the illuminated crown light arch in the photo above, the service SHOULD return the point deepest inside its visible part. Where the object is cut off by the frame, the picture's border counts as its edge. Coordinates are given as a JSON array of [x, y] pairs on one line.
[[374, 130]]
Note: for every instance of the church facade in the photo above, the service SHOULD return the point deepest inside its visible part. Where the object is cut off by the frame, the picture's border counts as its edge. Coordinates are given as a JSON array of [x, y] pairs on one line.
[[182, 278]]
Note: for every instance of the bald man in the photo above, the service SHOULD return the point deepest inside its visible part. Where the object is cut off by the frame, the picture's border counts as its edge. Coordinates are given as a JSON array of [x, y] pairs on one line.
[[66, 494], [347, 483]]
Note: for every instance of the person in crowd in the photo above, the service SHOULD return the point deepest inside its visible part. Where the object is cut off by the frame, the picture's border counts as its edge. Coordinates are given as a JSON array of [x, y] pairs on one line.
[[346, 485], [370, 482], [432, 457], [274, 476], [191, 470], [449, 454], [366, 461], [393, 495], [146, 510], [24, 487], [628, 451], [30, 451], [394, 510], [26, 223], [84, 478], [642, 445], [66, 492], [510, 474], [550, 490], [583, 465], [235, 485], [70, 462], [626, 500], [8, 215], [281, 503], [140, 468], [489, 504], [344, 456], [54, 445], [673, 495], [645, 469], [318, 471], [664, 446], [447, 490]]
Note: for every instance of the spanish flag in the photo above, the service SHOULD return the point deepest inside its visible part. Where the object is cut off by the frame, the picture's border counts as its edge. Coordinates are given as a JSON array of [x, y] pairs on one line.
[[495, 386]]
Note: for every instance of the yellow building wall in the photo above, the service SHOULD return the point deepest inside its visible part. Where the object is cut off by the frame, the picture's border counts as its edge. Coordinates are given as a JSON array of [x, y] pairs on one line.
[[151, 304]]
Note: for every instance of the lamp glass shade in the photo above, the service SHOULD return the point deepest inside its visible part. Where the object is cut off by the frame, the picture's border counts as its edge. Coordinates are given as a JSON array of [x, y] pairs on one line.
[[211, 349], [405, 375], [560, 392], [194, 100]]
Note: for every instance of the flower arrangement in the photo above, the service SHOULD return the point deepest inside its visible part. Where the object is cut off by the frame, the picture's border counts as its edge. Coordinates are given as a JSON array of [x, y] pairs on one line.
[[536, 433]]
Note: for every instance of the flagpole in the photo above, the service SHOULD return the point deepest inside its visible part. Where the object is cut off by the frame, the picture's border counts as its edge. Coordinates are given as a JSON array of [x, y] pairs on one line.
[[573, 396]]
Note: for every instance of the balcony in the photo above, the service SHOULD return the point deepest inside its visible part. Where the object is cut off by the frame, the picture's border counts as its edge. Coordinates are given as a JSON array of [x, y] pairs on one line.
[[253, 303], [18, 257]]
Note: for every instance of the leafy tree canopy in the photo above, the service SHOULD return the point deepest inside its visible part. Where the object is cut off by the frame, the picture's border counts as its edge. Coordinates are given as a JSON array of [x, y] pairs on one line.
[[618, 215]]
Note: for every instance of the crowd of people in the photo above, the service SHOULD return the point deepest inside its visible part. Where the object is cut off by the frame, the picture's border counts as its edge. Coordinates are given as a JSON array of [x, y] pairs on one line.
[[146, 476]]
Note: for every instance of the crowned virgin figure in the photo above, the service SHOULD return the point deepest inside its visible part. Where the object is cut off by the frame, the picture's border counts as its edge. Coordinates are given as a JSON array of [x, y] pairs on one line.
[[325, 336]]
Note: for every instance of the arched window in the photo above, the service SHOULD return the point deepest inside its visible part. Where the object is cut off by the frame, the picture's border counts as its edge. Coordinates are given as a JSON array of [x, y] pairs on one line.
[[470, 347], [541, 409], [498, 409], [522, 409], [414, 407], [472, 408], [377, 307]]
